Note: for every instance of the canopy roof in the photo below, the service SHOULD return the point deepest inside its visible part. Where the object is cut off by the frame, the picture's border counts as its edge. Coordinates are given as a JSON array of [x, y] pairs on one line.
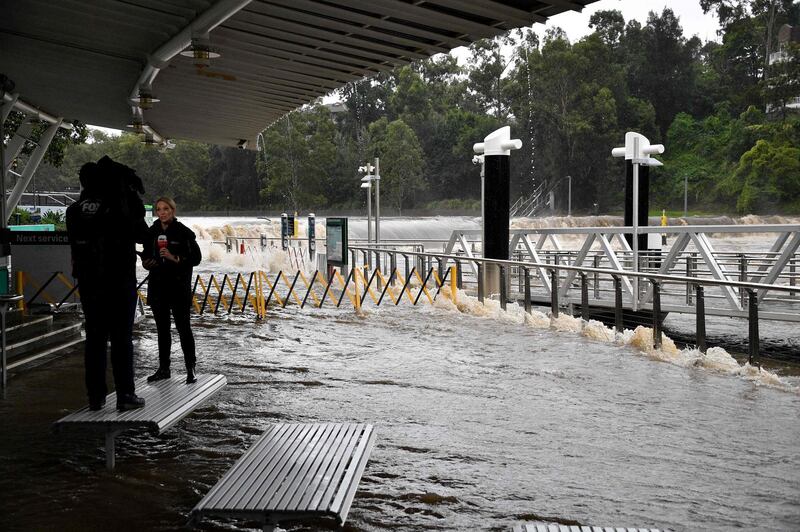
[[85, 59]]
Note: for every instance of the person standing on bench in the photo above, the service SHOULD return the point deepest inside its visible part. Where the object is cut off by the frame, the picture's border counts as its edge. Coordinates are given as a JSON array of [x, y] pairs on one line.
[[104, 226], [170, 253]]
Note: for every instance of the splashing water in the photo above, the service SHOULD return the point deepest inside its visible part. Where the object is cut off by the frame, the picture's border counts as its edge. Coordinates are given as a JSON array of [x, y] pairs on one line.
[[715, 359]]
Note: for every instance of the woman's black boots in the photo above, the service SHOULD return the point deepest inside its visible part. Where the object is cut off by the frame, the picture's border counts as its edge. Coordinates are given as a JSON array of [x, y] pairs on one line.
[[190, 374], [159, 375]]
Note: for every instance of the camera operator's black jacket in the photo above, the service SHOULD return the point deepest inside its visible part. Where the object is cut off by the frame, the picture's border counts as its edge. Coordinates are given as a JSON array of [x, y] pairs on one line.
[[103, 232], [171, 282]]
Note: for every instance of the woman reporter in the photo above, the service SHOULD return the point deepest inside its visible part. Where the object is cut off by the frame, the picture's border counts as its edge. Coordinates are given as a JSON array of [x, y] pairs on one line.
[[170, 252]]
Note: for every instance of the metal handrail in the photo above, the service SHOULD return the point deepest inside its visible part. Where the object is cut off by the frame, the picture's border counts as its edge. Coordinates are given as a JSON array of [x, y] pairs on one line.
[[607, 271]]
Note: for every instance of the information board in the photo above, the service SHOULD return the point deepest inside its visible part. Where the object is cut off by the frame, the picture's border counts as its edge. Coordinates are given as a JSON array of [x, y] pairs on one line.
[[336, 241]]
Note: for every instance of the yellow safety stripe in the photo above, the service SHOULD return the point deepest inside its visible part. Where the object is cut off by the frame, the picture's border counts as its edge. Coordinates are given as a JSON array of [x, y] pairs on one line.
[[291, 290], [219, 293], [234, 296], [308, 287], [271, 287], [203, 287], [341, 281], [424, 289], [371, 293], [388, 288]]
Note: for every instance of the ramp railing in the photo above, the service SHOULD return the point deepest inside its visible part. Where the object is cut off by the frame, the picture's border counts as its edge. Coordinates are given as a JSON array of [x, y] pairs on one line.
[[532, 282]]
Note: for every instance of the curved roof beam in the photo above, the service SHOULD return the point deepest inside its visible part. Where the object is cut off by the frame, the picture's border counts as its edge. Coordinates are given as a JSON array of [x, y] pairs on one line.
[[202, 25]]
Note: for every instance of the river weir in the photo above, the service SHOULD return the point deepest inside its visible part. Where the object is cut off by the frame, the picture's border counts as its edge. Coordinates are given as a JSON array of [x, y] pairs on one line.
[[484, 418]]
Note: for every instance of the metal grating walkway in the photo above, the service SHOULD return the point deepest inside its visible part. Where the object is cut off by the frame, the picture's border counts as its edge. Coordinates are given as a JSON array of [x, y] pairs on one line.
[[166, 402], [294, 471]]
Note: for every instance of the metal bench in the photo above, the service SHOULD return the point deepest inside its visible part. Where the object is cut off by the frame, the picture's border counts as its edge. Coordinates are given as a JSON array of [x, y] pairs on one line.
[[294, 471], [554, 527], [166, 402]]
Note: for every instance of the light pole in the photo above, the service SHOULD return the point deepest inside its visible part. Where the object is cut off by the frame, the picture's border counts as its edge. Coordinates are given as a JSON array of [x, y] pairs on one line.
[[368, 186], [366, 182], [377, 180], [569, 195], [685, 195]]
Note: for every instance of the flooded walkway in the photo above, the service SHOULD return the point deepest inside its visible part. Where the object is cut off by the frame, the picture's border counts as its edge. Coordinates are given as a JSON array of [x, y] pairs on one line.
[[480, 422]]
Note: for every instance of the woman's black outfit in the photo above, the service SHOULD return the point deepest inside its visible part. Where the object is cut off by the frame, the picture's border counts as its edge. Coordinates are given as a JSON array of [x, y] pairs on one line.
[[169, 289]]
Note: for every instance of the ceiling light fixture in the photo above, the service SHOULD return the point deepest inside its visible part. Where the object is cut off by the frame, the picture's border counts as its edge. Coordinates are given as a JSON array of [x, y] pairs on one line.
[[145, 99], [201, 51]]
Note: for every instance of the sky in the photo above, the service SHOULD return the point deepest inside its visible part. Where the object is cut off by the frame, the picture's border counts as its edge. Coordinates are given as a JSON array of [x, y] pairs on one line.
[[692, 19]]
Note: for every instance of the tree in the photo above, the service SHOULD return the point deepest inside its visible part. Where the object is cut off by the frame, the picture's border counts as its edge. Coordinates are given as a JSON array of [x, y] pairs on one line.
[[661, 66], [300, 153], [767, 175], [401, 161]]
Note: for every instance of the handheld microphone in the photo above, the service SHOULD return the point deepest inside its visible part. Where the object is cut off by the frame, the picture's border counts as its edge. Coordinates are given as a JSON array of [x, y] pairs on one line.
[[162, 243]]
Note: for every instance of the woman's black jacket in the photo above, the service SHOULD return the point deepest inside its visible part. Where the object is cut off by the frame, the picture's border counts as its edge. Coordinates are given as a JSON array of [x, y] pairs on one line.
[[171, 282]]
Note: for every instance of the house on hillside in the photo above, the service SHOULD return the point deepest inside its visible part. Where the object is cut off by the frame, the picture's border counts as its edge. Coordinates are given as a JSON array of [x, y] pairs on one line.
[[784, 84]]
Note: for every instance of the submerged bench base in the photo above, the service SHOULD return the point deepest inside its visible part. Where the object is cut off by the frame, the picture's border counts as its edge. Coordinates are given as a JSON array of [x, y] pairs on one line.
[[166, 402]]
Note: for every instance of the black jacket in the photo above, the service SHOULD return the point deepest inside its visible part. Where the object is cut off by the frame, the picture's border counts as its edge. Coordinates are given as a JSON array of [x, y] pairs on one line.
[[103, 233], [170, 281]]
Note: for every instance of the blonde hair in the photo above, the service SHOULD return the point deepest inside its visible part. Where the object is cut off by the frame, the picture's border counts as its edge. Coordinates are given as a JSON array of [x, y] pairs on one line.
[[168, 201]]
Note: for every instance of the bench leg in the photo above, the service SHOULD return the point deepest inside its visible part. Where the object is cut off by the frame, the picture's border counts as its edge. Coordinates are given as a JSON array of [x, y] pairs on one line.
[[110, 452], [271, 526]]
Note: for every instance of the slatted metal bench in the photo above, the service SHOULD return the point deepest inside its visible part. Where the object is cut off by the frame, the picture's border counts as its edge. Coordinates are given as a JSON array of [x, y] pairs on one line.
[[166, 402], [554, 527], [293, 472]]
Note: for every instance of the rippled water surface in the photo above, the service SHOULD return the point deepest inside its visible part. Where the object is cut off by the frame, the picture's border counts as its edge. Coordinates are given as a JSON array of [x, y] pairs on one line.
[[481, 422]]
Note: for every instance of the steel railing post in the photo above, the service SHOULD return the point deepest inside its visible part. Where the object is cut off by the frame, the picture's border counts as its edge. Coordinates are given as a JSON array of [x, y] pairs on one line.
[[480, 282], [584, 297], [700, 321], [554, 293], [656, 313], [527, 289], [618, 325], [742, 276], [689, 268], [752, 317], [503, 294]]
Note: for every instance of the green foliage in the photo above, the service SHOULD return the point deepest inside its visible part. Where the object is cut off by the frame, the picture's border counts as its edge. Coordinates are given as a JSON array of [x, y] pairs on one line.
[[56, 218], [20, 217]]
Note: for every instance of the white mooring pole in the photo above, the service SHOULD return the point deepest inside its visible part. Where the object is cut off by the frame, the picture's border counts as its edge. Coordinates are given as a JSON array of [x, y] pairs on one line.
[[637, 151]]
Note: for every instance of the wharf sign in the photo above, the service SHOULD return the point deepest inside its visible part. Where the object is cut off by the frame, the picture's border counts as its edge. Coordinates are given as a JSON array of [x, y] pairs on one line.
[[33, 238]]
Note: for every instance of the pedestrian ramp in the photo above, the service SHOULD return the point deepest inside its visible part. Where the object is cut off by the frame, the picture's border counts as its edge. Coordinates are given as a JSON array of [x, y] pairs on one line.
[[293, 472], [554, 527], [166, 402]]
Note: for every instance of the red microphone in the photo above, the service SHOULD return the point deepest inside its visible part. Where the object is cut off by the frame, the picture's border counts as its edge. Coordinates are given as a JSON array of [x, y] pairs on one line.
[[162, 243]]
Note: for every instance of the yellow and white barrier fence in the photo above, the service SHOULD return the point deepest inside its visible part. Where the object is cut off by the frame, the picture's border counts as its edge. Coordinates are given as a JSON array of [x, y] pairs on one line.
[[259, 289]]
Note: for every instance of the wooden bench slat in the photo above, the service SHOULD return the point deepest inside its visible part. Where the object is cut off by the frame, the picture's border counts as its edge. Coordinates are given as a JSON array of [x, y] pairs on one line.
[[304, 472], [539, 526], [166, 403], [338, 465], [324, 473], [265, 453], [293, 470], [341, 505], [294, 450]]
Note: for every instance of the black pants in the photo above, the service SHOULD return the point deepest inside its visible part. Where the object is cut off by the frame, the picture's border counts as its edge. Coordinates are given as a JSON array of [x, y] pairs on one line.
[[179, 307], [108, 309]]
